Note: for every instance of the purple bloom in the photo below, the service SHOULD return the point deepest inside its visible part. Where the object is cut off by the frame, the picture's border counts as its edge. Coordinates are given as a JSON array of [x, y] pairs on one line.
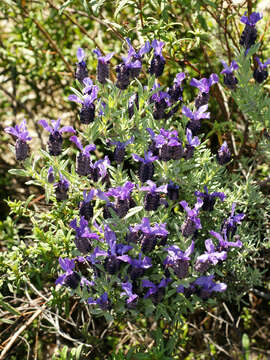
[[229, 79], [83, 158], [133, 60], [69, 278], [178, 260], [123, 198], [55, 137], [22, 135], [103, 67], [173, 191], [176, 90], [192, 142], [150, 234], [223, 243], [158, 61], [194, 124], [61, 188], [192, 222], [152, 198], [81, 69], [87, 112], [102, 301], [85, 206], [229, 225], [229, 69], [252, 19], [114, 253], [146, 171], [161, 103], [260, 74], [224, 155], [119, 152], [127, 287], [210, 257], [155, 291], [99, 169], [207, 286], [204, 86], [50, 176], [209, 199], [83, 235]]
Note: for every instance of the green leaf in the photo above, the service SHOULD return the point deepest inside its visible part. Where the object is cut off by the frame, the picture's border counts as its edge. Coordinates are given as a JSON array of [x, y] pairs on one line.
[[122, 4], [62, 8], [9, 308], [78, 352], [18, 172], [133, 211]]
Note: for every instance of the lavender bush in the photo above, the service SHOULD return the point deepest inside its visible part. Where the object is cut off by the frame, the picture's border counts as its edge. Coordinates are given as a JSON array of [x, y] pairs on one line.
[[161, 226]]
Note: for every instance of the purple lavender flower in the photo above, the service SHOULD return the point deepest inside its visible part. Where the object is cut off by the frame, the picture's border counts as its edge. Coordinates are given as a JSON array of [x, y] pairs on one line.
[[133, 101], [152, 197], [158, 61], [249, 35], [133, 60], [87, 112], [192, 222], [176, 90], [103, 67], [192, 142], [260, 74], [150, 234], [69, 278], [210, 257], [84, 237], [85, 206], [61, 188], [55, 138], [99, 168], [229, 226], [102, 301], [22, 135], [119, 151], [123, 198], [81, 69], [194, 124], [224, 155], [229, 79], [115, 252], [173, 191], [223, 243], [83, 158], [146, 171], [204, 86], [127, 287], [179, 260], [138, 265], [209, 199], [161, 103], [207, 286], [156, 292], [50, 176]]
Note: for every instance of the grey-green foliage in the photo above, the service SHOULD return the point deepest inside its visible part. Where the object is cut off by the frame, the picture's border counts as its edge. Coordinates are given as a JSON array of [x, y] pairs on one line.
[[251, 98]]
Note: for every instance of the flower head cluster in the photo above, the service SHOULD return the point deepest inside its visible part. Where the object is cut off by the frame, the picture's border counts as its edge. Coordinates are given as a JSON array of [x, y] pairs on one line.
[[22, 135], [229, 79], [249, 35], [194, 124], [204, 86], [55, 138]]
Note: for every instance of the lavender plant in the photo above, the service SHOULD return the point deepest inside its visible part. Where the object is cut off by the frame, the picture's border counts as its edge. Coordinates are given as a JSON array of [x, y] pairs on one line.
[[144, 251]]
